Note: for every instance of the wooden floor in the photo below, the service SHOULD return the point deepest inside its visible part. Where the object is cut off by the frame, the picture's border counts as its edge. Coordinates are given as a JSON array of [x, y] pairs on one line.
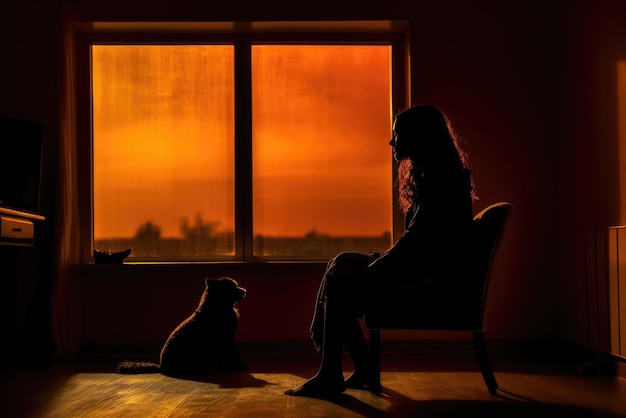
[[425, 385]]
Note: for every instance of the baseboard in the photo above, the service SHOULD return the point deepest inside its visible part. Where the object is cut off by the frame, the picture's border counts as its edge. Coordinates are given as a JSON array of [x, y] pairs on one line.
[[621, 370]]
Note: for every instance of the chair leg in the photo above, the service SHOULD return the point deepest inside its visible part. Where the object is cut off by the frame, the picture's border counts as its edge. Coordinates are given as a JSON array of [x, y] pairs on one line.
[[483, 361], [375, 354]]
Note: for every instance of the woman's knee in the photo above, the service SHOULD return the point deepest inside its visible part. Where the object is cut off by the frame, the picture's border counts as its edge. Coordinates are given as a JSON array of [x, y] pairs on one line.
[[348, 261]]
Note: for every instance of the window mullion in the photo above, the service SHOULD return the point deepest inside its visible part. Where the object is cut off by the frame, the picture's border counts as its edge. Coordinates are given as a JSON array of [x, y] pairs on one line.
[[243, 150]]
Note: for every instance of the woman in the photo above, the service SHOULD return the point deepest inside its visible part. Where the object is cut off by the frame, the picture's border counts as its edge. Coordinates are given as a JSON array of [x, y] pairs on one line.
[[435, 193]]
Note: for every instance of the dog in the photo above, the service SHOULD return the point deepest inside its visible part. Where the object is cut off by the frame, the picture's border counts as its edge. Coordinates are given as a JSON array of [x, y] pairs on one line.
[[205, 341]]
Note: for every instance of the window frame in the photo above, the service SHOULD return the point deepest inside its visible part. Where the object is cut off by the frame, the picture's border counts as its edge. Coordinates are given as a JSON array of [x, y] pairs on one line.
[[243, 36]]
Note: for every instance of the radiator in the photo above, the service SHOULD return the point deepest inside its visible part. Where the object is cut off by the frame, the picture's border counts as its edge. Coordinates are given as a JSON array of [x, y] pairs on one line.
[[602, 290]]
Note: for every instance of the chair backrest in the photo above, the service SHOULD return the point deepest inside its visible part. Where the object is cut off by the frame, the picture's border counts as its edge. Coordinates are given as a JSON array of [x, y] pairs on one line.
[[491, 223]]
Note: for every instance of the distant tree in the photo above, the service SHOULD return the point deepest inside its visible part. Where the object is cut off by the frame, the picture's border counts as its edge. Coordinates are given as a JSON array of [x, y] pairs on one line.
[[148, 231], [147, 239], [311, 234], [198, 235]]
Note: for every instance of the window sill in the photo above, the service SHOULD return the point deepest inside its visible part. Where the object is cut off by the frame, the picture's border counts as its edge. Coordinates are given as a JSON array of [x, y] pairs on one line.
[[213, 268], [133, 264]]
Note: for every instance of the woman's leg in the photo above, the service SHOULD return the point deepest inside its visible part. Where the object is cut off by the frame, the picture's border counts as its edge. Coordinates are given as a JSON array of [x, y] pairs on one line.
[[317, 325], [347, 261], [334, 327], [337, 298], [328, 381], [355, 342]]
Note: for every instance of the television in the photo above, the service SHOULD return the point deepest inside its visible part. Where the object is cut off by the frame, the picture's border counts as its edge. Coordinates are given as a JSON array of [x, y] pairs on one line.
[[21, 152]]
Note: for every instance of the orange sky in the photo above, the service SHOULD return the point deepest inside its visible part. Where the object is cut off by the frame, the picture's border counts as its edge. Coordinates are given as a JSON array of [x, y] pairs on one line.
[[163, 138]]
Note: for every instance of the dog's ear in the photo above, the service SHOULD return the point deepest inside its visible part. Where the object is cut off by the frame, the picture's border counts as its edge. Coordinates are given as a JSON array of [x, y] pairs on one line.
[[229, 280]]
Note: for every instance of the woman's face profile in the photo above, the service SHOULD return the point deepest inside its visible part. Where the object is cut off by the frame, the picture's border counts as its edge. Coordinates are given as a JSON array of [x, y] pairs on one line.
[[398, 144]]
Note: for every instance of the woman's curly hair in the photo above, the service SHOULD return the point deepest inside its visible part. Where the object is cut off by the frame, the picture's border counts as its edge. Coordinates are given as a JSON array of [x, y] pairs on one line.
[[434, 137]]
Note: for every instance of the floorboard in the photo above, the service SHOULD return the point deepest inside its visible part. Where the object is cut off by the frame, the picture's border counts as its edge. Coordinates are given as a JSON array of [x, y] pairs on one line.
[[433, 384]]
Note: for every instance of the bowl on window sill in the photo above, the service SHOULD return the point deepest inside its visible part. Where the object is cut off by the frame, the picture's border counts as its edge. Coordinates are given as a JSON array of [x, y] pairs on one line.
[[108, 257]]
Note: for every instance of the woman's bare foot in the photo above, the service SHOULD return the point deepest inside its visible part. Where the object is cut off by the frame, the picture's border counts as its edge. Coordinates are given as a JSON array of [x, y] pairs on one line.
[[319, 387], [360, 380]]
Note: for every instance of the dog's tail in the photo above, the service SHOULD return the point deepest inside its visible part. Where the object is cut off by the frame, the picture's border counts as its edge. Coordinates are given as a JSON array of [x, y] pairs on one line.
[[137, 367]]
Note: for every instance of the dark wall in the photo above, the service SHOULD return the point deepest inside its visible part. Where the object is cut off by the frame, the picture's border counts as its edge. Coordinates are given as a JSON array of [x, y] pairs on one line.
[[593, 40], [28, 90], [141, 305], [525, 87]]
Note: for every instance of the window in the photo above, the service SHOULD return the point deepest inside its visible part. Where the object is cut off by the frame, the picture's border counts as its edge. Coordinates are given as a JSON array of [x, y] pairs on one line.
[[241, 149], [163, 146], [321, 162]]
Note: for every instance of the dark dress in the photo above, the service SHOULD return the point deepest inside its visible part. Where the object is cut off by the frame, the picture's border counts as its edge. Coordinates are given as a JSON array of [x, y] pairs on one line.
[[427, 261]]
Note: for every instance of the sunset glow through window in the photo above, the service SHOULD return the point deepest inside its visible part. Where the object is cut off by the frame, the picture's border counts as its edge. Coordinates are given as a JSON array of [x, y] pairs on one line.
[[321, 122], [164, 144]]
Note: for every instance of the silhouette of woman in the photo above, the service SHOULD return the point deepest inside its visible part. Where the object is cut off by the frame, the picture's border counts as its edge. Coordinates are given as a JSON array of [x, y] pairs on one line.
[[435, 193]]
